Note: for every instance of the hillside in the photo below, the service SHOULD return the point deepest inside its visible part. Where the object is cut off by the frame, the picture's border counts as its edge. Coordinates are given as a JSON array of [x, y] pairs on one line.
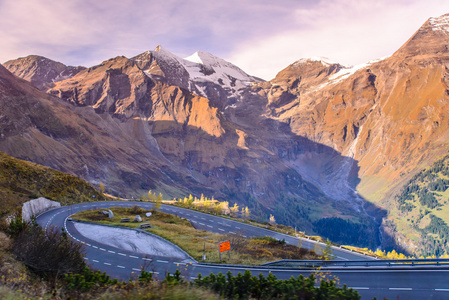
[[321, 146], [21, 181]]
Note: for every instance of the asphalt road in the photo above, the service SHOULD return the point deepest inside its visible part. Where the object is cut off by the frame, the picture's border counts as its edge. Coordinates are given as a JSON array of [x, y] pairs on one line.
[[391, 282]]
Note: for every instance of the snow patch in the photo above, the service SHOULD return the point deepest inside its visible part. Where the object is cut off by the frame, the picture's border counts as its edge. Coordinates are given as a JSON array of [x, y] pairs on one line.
[[325, 61], [440, 24]]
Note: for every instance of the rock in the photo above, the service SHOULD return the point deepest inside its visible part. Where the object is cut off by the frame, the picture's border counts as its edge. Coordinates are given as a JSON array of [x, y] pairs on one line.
[[36, 207], [110, 214], [138, 219], [148, 214]]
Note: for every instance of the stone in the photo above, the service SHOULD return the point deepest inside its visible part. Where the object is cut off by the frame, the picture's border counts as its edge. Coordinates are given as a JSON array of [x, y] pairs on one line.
[[148, 214], [138, 219], [37, 206], [110, 214]]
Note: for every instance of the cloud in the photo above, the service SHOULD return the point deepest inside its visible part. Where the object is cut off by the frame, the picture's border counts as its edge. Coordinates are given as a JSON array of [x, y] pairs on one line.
[[82, 31], [260, 36], [347, 31]]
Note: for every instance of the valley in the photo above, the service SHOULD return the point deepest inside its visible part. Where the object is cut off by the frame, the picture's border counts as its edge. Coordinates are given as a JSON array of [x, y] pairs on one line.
[[318, 146]]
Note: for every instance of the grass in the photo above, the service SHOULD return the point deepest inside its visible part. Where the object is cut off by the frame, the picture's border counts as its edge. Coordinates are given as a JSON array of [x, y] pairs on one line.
[[21, 181], [198, 242]]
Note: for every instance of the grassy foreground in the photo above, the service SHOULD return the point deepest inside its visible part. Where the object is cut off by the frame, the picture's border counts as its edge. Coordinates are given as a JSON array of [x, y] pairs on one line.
[[197, 242]]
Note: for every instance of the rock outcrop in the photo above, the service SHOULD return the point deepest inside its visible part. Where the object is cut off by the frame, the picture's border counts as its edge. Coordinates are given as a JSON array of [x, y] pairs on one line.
[[36, 207]]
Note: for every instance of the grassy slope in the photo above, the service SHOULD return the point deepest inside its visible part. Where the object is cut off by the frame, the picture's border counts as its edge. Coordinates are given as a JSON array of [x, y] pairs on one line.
[[21, 181]]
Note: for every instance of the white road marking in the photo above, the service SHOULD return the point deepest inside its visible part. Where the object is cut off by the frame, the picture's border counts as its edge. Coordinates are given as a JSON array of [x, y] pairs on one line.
[[108, 264], [95, 247], [442, 290], [137, 269], [359, 288], [94, 260], [122, 267], [400, 289], [202, 224], [133, 256], [122, 254], [111, 251], [148, 259], [102, 249], [220, 229], [209, 226], [162, 261]]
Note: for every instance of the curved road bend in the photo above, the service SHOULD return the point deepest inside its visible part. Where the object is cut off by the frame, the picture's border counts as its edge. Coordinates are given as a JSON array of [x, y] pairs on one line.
[[370, 281]]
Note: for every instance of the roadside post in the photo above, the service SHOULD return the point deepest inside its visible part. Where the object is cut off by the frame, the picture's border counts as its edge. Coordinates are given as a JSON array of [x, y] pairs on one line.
[[224, 247]]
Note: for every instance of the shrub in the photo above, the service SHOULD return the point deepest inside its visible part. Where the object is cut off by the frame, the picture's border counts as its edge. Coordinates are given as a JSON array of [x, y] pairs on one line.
[[49, 254]]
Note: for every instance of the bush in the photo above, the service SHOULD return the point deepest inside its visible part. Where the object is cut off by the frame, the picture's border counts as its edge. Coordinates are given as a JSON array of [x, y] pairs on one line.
[[247, 286], [49, 254]]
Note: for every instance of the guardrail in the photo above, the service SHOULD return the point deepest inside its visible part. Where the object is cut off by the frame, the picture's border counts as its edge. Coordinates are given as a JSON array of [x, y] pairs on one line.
[[294, 263]]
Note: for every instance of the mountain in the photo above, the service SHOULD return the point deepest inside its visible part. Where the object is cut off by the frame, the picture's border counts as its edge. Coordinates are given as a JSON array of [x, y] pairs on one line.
[[133, 132], [390, 116], [201, 73], [318, 146], [40, 71]]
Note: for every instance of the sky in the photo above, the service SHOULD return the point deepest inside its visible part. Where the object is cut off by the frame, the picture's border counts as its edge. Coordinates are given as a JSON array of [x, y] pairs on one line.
[[261, 37]]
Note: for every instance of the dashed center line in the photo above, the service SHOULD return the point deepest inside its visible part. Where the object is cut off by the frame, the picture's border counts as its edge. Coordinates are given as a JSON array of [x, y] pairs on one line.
[[108, 264], [122, 267], [102, 249], [400, 289], [220, 229], [94, 260], [132, 256], [134, 269], [162, 261], [111, 251], [122, 254]]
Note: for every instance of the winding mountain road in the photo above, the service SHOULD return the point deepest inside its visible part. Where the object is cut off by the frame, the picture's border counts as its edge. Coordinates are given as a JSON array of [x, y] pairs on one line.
[[394, 282]]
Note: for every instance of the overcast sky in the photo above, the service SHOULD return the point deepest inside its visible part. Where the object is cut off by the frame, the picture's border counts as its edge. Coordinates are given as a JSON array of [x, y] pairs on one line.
[[262, 37]]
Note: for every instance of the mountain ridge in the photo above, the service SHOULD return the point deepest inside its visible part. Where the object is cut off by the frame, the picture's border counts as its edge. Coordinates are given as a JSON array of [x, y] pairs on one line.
[[348, 138]]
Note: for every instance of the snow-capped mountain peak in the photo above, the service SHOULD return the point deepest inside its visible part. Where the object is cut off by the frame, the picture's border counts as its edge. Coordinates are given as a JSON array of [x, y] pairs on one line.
[[440, 24], [197, 73], [323, 60]]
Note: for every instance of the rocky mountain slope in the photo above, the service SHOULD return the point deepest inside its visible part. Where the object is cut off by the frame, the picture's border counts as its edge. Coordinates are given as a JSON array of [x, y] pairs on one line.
[[320, 140], [41, 71], [390, 116]]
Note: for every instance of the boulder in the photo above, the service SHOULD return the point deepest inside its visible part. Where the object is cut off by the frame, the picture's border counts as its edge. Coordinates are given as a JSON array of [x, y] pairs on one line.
[[138, 219], [37, 206]]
